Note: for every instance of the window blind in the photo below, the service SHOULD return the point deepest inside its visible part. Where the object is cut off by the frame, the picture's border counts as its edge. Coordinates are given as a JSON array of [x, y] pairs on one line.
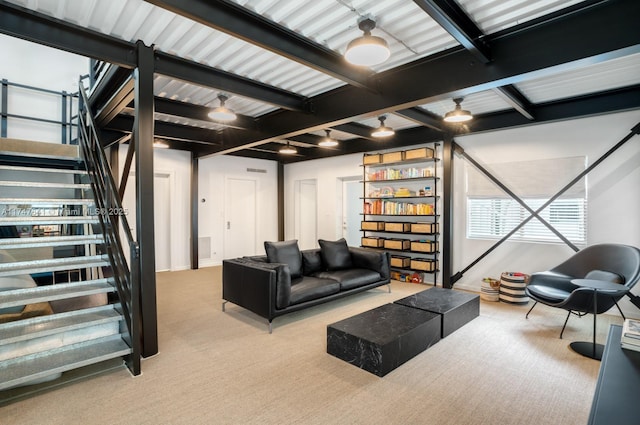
[[491, 213]]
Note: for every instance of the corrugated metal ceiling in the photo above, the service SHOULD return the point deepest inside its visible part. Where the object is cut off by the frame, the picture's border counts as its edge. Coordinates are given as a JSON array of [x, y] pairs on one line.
[[412, 34]]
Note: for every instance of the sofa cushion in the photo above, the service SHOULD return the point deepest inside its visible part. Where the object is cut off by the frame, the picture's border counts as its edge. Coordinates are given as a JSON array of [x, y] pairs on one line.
[[311, 262], [286, 252], [604, 275], [310, 288], [351, 278], [335, 254]]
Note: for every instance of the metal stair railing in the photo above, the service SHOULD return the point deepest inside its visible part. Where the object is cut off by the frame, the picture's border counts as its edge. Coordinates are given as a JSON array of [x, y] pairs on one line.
[[113, 222]]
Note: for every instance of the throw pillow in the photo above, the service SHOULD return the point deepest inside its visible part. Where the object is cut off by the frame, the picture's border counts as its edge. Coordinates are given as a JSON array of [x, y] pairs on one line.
[[311, 262], [335, 254], [286, 252]]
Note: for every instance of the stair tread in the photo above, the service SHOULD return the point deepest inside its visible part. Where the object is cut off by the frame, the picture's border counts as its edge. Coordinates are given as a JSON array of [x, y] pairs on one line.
[[59, 291], [52, 264], [40, 326], [17, 183], [40, 241], [65, 219], [41, 155], [66, 201], [41, 169], [19, 371]]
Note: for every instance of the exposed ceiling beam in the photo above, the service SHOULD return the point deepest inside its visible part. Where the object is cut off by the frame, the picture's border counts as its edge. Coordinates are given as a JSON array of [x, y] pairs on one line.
[[122, 97], [357, 130], [249, 26], [516, 99], [23, 23], [207, 76], [519, 54], [422, 117], [456, 22], [199, 112], [611, 101], [124, 123], [39, 28]]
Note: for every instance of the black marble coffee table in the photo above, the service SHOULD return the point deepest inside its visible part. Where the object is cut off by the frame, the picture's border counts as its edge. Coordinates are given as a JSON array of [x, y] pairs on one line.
[[456, 308], [382, 339]]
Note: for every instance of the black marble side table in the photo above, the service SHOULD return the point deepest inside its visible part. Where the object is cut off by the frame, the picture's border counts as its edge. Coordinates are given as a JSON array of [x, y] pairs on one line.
[[455, 308], [382, 339]]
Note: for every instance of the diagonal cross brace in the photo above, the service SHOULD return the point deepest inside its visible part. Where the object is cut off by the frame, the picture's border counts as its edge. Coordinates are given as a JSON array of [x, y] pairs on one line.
[[516, 198], [634, 131]]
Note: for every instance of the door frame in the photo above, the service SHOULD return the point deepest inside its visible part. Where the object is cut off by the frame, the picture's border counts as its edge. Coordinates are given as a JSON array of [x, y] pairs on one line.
[[228, 177]]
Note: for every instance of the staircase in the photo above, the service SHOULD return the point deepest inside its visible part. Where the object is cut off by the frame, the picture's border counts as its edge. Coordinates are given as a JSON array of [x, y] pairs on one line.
[[81, 311]]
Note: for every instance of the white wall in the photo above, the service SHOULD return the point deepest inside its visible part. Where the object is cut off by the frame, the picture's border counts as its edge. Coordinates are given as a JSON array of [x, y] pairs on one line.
[[613, 191], [613, 194], [327, 173], [41, 67], [212, 172], [178, 165]]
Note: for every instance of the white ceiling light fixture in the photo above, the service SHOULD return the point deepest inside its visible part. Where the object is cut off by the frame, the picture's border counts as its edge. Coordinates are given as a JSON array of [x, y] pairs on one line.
[[160, 144], [222, 113], [458, 114], [288, 149], [328, 141], [383, 130], [367, 50]]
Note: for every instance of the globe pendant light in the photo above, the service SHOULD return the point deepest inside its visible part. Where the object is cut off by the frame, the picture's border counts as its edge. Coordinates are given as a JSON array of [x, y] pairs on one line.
[[458, 114], [367, 50], [222, 113], [288, 150], [328, 141], [383, 130]]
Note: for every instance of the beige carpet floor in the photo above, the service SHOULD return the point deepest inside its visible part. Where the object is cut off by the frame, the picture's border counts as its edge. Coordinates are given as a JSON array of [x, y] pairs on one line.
[[224, 368]]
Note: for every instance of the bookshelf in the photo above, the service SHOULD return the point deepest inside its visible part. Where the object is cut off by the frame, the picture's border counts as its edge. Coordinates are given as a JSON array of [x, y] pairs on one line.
[[400, 210]]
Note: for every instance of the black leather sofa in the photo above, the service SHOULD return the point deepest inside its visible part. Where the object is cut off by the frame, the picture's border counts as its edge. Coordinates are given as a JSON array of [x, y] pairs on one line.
[[287, 280]]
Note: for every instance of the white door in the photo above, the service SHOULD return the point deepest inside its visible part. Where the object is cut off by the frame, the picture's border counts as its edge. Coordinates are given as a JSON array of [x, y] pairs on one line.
[[240, 217], [306, 211], [351, 209], [161, 216]]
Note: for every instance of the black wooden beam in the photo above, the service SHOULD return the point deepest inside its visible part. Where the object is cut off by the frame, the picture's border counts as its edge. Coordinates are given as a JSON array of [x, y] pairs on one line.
[[23, 23], [207, 76], [249, 26], [516, 99], [116, 104], [39, 28], [422, 117], [199, 112], [143, 139], [519, 54], [356, 129], [450, 16], [194, 207]]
